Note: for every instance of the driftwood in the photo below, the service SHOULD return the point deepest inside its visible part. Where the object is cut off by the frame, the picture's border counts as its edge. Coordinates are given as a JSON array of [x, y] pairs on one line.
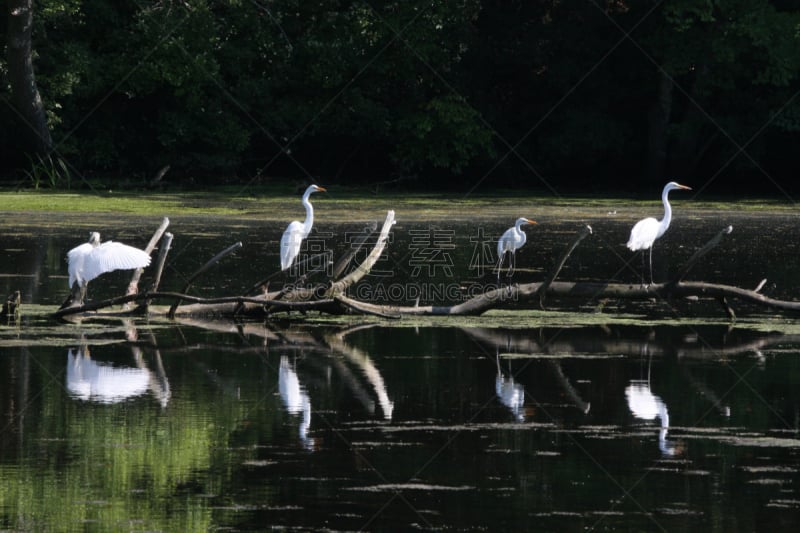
[[133, 286], [331, 296]]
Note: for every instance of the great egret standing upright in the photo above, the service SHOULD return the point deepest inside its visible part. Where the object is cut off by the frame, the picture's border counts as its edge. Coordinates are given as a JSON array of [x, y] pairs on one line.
[[512, 239], [92, 259], [647, 230], [296, 232]]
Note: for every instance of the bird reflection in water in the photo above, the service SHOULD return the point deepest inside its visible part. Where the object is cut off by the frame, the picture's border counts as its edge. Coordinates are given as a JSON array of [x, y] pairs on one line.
[[647, 406], [510, 393], [296, 399], [94, 381]]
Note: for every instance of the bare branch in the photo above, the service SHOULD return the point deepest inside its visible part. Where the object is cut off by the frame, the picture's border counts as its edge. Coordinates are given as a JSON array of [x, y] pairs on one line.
[[586, 230], [339, 287], [707, 247], [213, 261]]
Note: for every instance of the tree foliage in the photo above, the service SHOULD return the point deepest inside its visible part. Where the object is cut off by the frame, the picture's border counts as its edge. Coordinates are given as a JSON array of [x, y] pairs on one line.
[[493, 92]]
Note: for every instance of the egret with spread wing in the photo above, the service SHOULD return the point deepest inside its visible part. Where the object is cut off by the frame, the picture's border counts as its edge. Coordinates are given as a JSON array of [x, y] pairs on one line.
[[510, 242], [91, 259], [647, 230], [296, 232]]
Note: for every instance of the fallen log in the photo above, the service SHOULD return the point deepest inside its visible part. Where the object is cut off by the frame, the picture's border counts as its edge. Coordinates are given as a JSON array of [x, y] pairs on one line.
[[502, 298], [331, 297]]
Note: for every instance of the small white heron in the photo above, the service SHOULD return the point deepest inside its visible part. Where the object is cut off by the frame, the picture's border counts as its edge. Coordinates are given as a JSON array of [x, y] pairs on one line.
[[510, 242], [646, 231], [296, 232], [91, 259]]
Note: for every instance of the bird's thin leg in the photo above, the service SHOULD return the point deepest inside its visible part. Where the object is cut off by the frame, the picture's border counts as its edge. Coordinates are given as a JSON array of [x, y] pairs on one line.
[[651, 264], [499, 266], [641, 272], [511, 264]]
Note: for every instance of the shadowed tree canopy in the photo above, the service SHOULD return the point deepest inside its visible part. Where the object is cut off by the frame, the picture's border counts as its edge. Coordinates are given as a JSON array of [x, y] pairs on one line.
[[25, 98], [531, 94]]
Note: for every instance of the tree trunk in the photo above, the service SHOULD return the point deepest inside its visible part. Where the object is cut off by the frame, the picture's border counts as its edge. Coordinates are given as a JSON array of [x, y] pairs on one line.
[[24, 93], [658, 130]]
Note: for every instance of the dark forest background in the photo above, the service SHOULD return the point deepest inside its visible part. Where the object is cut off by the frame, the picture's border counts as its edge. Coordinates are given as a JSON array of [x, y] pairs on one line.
[[461, 94]]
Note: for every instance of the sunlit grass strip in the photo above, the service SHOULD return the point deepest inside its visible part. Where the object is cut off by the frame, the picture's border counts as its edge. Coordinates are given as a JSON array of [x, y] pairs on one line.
[[339, 204]]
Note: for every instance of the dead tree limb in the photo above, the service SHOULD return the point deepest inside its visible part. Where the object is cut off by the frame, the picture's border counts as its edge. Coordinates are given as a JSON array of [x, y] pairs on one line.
[[586, 230], [261, 285], [133, 286], [166, 244], [494, 299], [699, 254], [205, 304], [355, 247], [366, 308], [162, 258], [211, 262], [340, 286]]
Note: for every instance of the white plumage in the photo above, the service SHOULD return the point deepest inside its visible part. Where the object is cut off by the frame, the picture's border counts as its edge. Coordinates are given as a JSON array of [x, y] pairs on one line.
[[295, 398], [645, 405], [511, 241], [646, 231], [511, 394], [296, 232], [91, 259]]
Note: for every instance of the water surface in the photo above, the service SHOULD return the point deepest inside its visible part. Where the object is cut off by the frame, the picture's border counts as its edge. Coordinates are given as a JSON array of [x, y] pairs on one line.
[[661, 418]]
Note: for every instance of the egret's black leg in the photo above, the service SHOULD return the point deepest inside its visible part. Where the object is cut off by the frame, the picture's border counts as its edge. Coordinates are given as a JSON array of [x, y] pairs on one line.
[[500, 266], [641, 272]]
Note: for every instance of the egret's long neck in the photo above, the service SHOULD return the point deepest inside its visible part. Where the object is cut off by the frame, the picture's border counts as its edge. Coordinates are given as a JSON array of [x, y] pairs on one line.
[[663, 415], [309, 222], [519, 226], [667, 213]]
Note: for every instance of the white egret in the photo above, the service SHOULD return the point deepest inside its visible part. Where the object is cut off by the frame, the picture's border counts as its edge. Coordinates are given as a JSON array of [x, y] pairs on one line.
[[647, 230], [91, 259], [512, 239], [296, 232]]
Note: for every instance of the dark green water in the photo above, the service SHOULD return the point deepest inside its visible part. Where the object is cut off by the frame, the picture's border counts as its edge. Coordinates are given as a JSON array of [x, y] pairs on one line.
[[530, 424]]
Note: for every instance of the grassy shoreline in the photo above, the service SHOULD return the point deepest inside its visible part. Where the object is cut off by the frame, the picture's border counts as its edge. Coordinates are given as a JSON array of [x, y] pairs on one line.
[[339, 205]]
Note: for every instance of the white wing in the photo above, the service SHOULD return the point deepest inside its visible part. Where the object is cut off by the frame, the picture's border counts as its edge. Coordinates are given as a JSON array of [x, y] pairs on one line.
[[643, 234], [89, 380], [290, 244], [75, 258], [111, 256], [642, 402]]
